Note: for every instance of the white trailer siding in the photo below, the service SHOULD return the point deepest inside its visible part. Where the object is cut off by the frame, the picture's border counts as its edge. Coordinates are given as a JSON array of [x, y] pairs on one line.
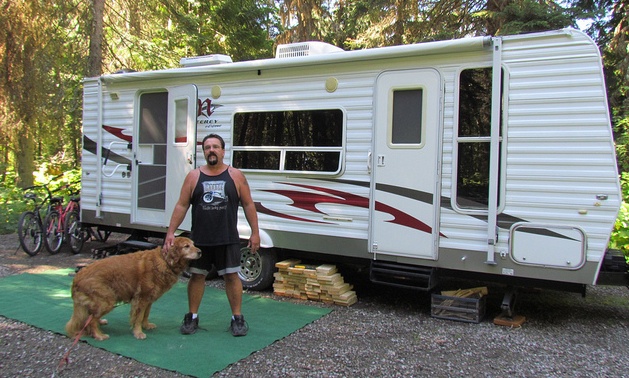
[[106, 187], [89, 159], [557, 149], [559, 139]]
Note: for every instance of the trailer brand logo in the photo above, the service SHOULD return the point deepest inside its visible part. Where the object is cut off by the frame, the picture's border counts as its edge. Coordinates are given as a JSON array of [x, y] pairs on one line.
[[205, 109]]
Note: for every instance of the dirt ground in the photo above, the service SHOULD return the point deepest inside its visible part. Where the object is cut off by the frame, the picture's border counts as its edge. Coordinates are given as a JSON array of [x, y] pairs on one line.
[[389, 333]]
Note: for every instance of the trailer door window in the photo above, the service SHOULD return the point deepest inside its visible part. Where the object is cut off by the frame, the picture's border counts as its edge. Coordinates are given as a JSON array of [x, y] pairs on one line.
[[407, 117], [181, 121], [305, 141], [473, 140]]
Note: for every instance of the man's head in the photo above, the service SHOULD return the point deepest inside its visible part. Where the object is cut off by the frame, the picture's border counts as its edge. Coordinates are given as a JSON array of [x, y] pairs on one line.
[[213, 149]]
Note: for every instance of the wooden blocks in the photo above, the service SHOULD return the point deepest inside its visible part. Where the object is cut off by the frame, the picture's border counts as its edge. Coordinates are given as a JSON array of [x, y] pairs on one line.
[[515, 321], [315, 282]]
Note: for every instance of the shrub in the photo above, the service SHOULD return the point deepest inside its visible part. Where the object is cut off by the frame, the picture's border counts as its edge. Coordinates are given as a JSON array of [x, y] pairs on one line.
[[620, 234], [11, 205]]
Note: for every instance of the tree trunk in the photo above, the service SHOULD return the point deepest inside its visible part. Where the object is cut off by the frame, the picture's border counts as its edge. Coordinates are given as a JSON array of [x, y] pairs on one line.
[[96, 39], [24, 158], [25, 111], [400, 21]]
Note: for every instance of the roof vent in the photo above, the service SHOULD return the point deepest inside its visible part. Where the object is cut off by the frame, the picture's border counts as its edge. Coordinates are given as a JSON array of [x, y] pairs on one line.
[[205, 60], [293, 50]]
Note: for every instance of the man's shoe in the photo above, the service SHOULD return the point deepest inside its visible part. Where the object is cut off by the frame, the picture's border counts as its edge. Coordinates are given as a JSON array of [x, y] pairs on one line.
[[189, 325], [238, 326]]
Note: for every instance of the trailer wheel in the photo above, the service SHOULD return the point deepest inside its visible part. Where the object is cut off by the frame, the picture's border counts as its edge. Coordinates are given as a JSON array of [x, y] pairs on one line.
[[256, 269]]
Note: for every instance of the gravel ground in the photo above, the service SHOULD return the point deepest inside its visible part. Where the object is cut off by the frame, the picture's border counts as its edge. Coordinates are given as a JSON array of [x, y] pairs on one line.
[[388, 333]]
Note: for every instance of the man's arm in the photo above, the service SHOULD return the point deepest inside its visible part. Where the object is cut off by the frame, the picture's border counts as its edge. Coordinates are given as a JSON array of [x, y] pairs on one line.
[[181, 208], [248, 206]]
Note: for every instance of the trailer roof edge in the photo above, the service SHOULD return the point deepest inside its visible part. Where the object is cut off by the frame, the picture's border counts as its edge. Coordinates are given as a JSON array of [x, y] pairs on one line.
[[425, 48]]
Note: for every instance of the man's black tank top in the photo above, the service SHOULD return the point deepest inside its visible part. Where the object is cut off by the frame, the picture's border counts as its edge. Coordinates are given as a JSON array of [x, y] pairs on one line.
[[215, 210]]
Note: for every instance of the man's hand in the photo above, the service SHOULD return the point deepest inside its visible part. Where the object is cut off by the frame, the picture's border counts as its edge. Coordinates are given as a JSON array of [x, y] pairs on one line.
[[254, 243], [168, 242]]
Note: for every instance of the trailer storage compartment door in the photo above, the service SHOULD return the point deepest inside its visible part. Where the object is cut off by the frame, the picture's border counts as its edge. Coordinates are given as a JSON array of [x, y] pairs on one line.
[[405, 191]]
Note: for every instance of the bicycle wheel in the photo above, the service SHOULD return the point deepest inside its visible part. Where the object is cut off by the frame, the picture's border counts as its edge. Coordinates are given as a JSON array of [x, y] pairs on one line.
[[54, 232], [74, 232], [30, 232]]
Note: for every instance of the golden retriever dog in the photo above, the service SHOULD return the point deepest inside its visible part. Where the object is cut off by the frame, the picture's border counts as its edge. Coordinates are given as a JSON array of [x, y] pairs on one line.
[[138, 278]]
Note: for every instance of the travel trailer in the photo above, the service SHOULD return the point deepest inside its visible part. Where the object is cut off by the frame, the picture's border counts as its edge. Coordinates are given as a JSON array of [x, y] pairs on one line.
[[483, 157]]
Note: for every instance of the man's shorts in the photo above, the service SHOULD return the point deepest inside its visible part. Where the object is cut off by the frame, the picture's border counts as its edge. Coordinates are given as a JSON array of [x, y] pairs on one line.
[[226, 259]]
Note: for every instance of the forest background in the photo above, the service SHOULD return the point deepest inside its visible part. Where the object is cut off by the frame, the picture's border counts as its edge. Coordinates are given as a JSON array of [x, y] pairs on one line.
[[48, 47]]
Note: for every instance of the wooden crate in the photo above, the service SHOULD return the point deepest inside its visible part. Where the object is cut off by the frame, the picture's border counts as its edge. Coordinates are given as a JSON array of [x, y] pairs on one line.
[[471, 310]]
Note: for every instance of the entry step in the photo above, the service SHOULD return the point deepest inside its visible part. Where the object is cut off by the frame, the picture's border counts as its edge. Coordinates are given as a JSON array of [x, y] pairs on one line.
[[402, 275]]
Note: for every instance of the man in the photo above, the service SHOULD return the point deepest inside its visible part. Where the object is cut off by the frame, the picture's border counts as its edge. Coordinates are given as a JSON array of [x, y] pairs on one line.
[[215, 190]]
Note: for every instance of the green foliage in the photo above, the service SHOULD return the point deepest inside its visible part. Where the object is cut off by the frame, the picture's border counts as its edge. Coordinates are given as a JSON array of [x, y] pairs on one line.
[[12, 202], [620, 233], [531, 16], [11, 205]]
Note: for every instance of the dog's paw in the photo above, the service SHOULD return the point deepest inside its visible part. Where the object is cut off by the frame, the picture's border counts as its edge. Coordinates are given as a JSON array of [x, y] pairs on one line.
[[149, 326], [139, 335], [103, 321], [101, 337]]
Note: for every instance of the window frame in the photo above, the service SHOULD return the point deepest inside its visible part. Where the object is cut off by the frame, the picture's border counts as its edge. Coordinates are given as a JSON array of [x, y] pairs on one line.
[[181, 124], [457, 140], [392, 120], [284, 150]]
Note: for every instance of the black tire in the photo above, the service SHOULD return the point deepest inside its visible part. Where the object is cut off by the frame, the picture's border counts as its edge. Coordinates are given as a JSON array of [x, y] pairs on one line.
[[30, 233], [74, 233], [256, 269], [54, 236]]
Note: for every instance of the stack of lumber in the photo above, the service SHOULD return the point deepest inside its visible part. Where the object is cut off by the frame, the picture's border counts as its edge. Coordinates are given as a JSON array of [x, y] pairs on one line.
[[315, 282], [476, 292]]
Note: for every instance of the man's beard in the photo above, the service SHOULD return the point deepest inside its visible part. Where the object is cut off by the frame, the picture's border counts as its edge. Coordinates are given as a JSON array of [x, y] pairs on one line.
[[210, 162]]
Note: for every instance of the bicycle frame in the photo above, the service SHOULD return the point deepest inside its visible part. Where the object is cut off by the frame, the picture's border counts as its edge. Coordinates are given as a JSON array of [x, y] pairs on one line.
[[55, 223], [72, 205]]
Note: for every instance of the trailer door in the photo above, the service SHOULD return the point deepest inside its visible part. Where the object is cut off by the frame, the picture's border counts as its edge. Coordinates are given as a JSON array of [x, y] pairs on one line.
[[182, 144], [164, 152], [405, 187]]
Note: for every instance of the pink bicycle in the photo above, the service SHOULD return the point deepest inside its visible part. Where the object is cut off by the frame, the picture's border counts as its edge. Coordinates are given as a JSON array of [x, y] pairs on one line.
[[64, 224]]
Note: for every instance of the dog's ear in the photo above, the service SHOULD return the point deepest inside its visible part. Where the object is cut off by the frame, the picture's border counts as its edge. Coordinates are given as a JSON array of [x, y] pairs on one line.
[[172, 256]]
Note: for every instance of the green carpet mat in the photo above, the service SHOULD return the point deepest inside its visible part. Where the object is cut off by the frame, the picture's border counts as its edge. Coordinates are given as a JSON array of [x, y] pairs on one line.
[[43, 301]]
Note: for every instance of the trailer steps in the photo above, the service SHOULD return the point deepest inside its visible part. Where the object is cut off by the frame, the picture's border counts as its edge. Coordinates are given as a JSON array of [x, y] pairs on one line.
[[402, 275]]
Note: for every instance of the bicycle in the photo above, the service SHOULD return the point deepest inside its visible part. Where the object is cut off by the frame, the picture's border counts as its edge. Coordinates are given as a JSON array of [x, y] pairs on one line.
[[75, 233], [62, 224], [30, 226]]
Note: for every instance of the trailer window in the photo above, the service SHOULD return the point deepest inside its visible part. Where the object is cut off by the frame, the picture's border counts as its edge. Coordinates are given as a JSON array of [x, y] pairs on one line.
[[407, 117], [474, 137], [289, 141], [181, 121]]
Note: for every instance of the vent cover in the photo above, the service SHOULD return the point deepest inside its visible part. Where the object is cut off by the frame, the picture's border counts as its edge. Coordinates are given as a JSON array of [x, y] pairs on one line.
[[205, 60], [294, 50]]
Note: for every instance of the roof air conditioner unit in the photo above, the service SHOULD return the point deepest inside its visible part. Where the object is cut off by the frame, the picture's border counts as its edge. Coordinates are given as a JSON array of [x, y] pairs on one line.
[[293, 50]]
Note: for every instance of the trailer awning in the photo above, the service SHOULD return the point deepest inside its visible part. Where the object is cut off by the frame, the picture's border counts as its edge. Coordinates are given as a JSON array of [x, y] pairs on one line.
[[419, 49]]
